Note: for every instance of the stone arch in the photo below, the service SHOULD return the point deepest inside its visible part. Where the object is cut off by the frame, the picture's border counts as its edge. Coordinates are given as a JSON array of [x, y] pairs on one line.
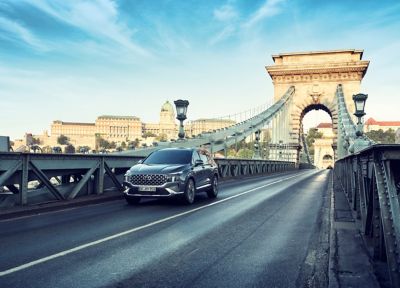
[[315, 76]]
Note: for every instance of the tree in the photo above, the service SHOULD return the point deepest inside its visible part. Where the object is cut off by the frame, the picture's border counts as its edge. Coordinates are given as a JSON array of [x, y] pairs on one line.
[[69, 149], [63, 140], [133, 144], [101, 143], [382, 137], [312, 134], [47, 149], [123, 145], [162, 137], [149, 134], [36, 141], [245, 153], [83, 149]]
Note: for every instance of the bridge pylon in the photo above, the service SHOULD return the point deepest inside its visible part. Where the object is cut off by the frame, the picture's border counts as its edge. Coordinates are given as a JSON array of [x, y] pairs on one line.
[[315, 76]]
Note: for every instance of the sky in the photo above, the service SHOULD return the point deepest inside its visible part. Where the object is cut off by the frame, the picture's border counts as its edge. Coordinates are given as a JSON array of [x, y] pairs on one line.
[[75, 60]]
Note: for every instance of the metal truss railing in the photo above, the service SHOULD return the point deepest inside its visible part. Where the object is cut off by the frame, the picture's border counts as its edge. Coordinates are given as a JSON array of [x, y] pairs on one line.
[[60, 176], [221, 139], [232, 168], [371, 181], [36, 178]]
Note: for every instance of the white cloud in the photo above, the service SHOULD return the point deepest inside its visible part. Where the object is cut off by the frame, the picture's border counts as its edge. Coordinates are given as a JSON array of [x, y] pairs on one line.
[[225, 13], [16, 31], [268, 9], [98, 18], [224, 34]]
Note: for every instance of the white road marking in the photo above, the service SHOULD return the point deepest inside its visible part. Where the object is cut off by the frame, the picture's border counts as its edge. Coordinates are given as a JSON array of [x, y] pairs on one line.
[[81, 247]]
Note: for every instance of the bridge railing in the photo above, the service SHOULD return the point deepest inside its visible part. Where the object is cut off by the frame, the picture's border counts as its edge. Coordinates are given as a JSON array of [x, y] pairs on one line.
[[53, 177], [30, 178], [371, 181], [232, 168]]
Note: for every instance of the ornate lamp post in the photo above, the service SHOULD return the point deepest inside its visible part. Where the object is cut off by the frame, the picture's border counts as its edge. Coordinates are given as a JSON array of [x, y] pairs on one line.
[[359, 143], [257, 146], [181, 109], [359, 102]]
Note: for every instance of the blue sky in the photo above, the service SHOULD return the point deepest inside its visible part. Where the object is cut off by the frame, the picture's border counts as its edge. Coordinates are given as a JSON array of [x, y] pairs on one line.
[[75, 60]]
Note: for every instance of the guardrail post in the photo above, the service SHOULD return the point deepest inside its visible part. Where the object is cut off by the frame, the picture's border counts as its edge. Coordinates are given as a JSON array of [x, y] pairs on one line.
[[23, 186], [99, 177]]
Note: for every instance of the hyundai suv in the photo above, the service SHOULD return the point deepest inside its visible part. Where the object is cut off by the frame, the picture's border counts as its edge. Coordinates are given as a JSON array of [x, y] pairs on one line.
[[168, 172]]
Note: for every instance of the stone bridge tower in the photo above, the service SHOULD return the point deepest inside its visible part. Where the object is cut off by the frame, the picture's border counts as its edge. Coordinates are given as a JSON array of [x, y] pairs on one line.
[[315, 76]]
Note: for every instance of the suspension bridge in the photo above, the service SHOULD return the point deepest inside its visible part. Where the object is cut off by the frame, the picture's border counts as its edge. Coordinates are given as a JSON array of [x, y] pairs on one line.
[[368, 174]]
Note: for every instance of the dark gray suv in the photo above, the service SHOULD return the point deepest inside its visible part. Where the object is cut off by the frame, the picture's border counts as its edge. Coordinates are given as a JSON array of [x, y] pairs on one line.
[[172, 172]]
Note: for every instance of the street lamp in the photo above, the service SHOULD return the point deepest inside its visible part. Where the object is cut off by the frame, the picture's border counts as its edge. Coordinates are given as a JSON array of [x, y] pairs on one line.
[[359, 143], [257, 145], [181, 109], [359, 103]]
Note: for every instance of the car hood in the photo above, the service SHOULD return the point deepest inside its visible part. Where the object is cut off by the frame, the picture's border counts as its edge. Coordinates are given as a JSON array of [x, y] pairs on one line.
[[156, 168]]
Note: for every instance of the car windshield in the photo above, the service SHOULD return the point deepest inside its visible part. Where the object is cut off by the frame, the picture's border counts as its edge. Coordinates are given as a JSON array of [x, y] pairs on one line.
[[169, 157]]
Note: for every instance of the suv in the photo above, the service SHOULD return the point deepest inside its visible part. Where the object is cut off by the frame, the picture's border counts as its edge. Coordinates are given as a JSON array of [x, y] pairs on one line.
[[172, 172]]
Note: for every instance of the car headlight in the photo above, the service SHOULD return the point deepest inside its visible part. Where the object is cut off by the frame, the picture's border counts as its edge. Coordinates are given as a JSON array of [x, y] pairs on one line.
[[174, 177]]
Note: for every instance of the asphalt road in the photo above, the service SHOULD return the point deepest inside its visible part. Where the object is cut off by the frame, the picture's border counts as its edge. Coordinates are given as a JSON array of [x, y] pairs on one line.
[[261, 232]]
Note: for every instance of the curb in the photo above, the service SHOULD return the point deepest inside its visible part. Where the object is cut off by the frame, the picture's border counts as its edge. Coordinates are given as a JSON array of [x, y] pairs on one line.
[[332, 266], [59, 205]]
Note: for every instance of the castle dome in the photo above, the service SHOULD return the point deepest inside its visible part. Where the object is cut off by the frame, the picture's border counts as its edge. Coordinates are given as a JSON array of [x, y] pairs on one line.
[[167, 107]]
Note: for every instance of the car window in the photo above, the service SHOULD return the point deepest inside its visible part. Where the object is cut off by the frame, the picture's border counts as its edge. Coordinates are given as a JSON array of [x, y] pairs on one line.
[[169, 157], [195, 157], [204, 158]]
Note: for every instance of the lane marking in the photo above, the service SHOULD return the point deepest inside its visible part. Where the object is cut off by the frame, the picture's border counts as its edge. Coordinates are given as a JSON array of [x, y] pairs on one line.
[[81, 247]]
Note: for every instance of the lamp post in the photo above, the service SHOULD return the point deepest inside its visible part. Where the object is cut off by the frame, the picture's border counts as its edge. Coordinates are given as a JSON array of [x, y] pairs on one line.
[[359, 143], [257, 146], [181, 109], [359, 103]]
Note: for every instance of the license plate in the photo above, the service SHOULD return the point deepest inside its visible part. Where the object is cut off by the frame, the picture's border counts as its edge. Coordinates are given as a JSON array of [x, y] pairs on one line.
[[147, 189]]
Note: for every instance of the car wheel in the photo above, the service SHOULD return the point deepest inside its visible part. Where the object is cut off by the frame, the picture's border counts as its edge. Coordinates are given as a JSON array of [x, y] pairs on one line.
[[190, 191], [132, 200], [213, 191]]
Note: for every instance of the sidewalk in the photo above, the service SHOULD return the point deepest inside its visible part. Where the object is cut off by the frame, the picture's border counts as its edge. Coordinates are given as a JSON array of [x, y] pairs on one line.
[[349, 263]]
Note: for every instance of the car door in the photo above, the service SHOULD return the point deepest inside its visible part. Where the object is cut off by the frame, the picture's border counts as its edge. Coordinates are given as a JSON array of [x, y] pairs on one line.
[[198, 171], [206, 167]]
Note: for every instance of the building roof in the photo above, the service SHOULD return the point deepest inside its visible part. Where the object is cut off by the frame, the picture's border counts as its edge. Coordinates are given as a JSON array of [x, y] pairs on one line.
[[118, 117], [320, 52], [324, 125], [372, 121], [73, 123]]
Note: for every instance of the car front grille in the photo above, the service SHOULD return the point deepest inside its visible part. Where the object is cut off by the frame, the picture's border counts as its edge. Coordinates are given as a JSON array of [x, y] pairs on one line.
[[148, 179]]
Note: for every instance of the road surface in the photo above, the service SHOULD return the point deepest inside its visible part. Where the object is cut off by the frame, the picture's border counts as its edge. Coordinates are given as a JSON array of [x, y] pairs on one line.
[[269, 231]]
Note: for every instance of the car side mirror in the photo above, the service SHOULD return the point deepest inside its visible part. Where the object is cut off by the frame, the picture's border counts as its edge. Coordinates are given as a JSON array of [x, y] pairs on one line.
[[140, 161], [198, 162]]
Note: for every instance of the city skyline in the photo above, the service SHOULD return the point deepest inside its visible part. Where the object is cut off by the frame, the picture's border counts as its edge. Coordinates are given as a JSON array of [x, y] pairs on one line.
[[128, 57]]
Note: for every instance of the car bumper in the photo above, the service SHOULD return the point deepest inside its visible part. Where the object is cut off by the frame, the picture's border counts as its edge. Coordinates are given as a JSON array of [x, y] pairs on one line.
[[167, 190]]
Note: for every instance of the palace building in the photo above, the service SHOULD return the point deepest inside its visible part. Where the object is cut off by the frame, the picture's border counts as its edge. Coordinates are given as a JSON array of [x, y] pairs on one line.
[[121, 129]]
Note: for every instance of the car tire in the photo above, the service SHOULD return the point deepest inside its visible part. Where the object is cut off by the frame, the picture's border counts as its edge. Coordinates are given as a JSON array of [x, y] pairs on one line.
[[190, 192], [213, 191], [132, 200]]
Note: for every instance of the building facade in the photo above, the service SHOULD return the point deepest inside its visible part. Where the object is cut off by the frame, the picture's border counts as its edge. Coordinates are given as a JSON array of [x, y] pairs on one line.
[[371, 124]]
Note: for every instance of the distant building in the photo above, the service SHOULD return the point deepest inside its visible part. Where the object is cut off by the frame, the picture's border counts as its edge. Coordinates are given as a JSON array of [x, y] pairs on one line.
[[323, 151], [120, 129], [372, 124], [167, 126], [207, 125]]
